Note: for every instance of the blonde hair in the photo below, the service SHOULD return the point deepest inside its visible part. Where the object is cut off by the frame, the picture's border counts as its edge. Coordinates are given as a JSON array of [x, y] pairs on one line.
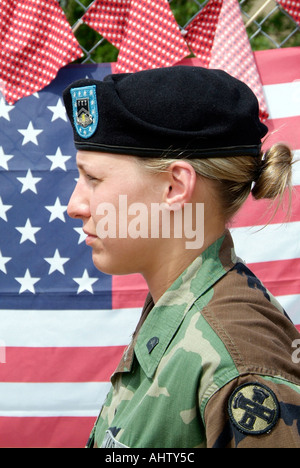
[[267, 177]]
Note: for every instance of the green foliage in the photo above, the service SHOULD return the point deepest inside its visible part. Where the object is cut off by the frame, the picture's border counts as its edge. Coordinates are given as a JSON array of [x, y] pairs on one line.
[[275, 29]]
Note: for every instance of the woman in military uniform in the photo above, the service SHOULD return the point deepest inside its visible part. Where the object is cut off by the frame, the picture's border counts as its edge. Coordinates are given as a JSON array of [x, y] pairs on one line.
[[210, 363]]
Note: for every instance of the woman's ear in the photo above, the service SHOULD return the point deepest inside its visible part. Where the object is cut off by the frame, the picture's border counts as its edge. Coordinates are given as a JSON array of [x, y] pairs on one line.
[[181, 178]]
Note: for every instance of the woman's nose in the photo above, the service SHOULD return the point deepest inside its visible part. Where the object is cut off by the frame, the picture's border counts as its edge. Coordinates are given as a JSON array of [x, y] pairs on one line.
[[78, 206]]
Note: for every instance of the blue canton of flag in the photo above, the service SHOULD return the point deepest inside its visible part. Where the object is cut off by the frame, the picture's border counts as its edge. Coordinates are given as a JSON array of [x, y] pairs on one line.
[[44, 262]]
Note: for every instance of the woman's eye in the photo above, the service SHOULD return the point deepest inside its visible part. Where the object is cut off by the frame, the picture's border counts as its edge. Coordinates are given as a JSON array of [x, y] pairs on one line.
[[91, 178]]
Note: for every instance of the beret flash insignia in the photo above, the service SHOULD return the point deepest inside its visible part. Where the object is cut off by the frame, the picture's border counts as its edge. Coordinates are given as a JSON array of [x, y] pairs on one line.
[[85, 110]]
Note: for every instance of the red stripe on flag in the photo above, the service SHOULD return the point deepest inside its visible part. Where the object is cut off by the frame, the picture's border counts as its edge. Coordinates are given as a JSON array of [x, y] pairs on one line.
[[283, 130], [281, 278], [45, 432], [128, 291], [278, 65], [260, 212], [34, 365]]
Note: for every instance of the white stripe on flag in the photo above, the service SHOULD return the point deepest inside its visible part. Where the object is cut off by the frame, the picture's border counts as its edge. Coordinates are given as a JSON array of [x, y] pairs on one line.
[[283, 100], [52, 399], [296, 168], [267, 243], [78, 328], [291, 305]]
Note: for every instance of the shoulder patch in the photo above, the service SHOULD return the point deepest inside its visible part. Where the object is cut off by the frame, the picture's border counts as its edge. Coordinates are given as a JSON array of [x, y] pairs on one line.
[[253, 409], [85, 110]]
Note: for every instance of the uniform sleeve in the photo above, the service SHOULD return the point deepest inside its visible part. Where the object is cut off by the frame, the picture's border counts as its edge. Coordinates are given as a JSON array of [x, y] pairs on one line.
[[254, 412]]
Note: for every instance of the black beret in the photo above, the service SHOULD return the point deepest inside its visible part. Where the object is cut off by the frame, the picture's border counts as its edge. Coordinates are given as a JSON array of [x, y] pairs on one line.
[[177, 112]]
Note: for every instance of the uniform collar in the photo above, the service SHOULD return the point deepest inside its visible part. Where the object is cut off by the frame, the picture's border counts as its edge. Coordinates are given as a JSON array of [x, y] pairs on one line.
[[168, 313]]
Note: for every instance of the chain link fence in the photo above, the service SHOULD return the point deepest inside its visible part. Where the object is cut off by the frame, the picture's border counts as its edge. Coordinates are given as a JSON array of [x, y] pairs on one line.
[[267, 23]]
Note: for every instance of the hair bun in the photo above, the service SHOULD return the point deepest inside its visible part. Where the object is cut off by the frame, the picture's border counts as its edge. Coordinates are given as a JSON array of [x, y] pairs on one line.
[[274, 175]]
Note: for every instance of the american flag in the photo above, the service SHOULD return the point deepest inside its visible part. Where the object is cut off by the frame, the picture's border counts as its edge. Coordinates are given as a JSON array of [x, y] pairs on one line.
[[63, 324]]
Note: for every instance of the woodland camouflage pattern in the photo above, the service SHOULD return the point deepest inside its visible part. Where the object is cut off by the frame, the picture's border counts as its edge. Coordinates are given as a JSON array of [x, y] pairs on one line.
[[209, 366]]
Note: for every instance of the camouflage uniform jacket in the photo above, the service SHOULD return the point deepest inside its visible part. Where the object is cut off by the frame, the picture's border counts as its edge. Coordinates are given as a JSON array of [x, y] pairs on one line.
[[210, 365]]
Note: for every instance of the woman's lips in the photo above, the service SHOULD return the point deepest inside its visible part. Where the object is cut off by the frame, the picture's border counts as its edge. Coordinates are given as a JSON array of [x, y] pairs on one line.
[[90, 238]]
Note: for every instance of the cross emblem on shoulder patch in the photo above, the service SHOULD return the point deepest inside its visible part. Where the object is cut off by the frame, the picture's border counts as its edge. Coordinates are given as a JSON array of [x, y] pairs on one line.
[[253, 409]]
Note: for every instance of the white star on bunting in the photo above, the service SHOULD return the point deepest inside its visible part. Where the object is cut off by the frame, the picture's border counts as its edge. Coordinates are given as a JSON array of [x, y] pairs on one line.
[[5, 109], [85, 283], [30, 134], [4, 158], [82, 235], [57, 263], [29, 182], [3, 210], [28, 232], [57, 211], [3, 262], [58, 160], [27, 283], [59, 111]]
